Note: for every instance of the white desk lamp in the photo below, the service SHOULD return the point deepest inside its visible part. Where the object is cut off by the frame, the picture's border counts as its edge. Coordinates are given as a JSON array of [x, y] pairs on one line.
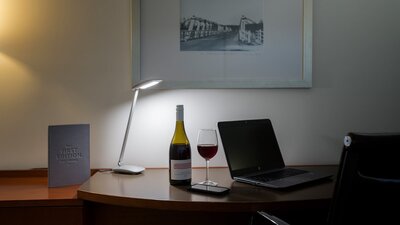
[[131, 169]]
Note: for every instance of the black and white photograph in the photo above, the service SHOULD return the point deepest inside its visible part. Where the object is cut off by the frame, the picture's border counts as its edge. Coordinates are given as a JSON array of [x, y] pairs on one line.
[[221, 25], [224, 43]]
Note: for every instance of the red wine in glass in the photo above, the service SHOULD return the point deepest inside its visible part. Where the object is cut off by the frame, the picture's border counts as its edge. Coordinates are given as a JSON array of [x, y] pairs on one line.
[[207, 146], [207, 151]]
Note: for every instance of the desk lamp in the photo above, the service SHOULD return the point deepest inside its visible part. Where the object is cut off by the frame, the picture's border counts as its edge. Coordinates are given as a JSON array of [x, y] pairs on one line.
[[131, 169]]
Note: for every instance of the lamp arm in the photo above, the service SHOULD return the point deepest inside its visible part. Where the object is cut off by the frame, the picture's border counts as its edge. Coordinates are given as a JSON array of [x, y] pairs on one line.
[[121, 156]]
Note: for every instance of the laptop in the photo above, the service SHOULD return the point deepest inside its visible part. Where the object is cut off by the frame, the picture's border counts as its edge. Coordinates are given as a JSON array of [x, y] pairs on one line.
[[254, 157]]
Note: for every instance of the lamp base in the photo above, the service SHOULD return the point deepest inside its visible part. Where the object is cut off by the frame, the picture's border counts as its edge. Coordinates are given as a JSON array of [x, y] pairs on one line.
[[128, 169]]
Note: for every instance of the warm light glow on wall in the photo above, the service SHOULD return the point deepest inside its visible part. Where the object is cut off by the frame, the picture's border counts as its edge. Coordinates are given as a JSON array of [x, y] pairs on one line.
[[11, 70], [15, 79], [17, 22], [18, 94], [16, 30], [3, 17], [12, 66]]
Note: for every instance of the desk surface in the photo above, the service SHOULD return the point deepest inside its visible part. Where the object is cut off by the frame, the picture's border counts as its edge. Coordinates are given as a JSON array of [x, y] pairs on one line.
[[26, 199], [152, 190], [27, 188]]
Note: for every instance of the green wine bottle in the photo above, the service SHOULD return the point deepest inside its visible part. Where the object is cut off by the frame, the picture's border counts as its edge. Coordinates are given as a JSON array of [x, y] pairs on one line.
[[180, 161]]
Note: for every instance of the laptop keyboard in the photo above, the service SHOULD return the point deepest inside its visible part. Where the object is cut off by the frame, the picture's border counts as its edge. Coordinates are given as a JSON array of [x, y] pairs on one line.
[[277, 175]]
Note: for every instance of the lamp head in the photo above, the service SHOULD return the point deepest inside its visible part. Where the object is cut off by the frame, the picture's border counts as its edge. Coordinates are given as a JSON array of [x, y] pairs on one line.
[[146, 84]]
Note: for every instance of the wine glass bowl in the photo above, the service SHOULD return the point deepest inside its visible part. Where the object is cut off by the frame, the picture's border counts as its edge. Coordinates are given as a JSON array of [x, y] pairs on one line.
[[207, 146], [207, 151]]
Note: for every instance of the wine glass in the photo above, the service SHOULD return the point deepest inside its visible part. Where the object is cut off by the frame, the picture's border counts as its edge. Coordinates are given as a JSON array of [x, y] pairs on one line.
[[207, 146]]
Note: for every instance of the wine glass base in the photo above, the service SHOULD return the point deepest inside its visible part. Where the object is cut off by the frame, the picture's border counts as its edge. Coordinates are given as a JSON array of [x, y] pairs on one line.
[[209, 183]]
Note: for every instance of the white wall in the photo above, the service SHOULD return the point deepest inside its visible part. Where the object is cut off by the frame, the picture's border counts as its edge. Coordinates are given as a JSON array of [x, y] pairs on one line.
[[68, 61]]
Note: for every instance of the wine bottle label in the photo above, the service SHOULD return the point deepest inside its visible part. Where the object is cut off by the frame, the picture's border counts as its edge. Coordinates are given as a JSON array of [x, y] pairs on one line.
[[181, 169]]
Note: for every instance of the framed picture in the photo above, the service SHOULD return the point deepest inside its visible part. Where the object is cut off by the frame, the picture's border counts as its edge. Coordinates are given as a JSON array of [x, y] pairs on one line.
[[223, 43]]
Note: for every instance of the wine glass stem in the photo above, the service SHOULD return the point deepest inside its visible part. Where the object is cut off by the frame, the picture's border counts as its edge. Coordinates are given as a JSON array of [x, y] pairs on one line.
[[207, 165]]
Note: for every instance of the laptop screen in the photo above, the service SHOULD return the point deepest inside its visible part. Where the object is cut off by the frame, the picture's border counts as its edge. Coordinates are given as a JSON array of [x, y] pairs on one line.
[[250, 146]]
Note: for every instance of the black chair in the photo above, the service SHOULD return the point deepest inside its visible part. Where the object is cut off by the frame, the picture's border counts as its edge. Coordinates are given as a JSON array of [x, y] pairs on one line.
[[367, 190]]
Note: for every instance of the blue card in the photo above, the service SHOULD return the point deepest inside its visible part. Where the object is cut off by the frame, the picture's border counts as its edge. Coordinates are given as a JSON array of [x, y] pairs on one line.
[[69, 162]]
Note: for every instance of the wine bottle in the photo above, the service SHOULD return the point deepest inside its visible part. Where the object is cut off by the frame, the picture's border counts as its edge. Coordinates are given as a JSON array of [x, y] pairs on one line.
[[180, 162]]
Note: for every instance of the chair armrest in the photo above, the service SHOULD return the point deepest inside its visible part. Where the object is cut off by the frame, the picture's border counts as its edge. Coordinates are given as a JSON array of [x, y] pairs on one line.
[[272, 219], [378, 179]]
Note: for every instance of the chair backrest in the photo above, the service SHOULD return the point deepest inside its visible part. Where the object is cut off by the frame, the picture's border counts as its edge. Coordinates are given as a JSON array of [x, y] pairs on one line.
[[367, 190]]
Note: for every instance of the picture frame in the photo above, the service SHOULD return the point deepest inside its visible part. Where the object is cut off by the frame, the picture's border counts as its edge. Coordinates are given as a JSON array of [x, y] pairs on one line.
[[283, 60]]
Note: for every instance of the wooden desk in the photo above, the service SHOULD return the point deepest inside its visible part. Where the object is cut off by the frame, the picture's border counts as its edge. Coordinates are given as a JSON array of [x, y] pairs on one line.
[[149, 199], [26, 199]]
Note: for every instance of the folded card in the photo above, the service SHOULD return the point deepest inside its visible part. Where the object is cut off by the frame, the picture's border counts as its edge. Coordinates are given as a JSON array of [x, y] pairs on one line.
[[69, 161]]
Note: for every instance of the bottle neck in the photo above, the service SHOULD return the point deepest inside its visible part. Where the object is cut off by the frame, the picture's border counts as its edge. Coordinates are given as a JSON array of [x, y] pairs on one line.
[[179, 115], [180, 134]]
